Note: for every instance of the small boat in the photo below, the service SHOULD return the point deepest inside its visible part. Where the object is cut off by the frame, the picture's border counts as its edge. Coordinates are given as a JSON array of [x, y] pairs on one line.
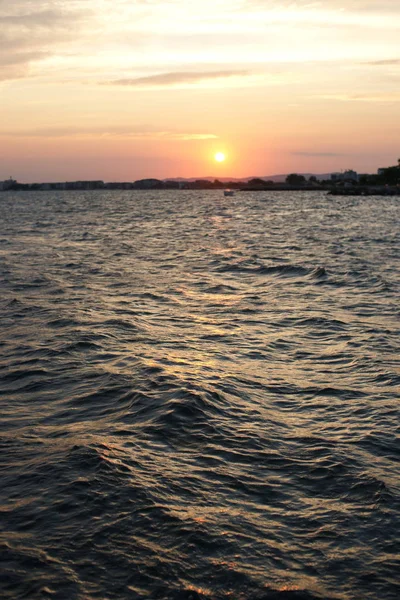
[[228, 192]]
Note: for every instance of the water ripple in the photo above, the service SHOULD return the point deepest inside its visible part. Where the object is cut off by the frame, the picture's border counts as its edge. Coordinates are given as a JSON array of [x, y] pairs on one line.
[[199, 396]]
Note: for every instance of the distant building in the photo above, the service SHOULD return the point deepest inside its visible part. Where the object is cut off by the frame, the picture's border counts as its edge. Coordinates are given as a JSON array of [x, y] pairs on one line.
[[85, 185], [148, 184], [7, 184], [351, 176], [348, 176], [173, 185]]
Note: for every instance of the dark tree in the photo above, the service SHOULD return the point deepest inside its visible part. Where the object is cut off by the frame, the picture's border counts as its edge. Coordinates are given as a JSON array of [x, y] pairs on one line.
[[391, 175], [256, 182], [295, 179]]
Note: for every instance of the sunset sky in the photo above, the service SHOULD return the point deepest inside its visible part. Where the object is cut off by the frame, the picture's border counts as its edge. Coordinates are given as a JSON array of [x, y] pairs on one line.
[[122, 89]]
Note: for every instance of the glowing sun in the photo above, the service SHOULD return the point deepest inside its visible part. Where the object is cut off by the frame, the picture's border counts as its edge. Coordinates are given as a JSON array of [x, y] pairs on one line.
[[220, 157]]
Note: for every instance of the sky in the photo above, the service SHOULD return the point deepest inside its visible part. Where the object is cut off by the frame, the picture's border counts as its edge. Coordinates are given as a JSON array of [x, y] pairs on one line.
[[120, 90]]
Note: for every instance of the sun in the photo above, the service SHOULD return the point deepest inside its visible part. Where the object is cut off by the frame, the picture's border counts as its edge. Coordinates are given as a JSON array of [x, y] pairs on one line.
[[219, 157]]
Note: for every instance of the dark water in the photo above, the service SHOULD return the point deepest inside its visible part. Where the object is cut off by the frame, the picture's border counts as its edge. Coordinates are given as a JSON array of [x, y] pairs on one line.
[[199, 396]]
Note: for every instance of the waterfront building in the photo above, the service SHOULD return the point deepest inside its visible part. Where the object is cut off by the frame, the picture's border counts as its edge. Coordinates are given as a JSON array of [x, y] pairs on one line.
[[7, 184], [348, 176]]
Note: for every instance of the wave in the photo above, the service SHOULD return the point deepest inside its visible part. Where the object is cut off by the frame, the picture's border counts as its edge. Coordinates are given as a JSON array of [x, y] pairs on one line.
[[198, 399]]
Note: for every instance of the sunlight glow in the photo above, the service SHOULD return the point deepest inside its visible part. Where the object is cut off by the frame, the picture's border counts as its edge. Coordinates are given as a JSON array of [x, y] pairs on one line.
[[131, 90]]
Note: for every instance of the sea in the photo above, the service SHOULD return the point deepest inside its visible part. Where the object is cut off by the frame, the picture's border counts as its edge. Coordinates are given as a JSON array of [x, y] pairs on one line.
[[199, 396]]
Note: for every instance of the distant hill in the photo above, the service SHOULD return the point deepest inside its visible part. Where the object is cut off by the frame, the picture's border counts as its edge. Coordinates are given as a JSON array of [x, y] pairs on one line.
[[275, 178]]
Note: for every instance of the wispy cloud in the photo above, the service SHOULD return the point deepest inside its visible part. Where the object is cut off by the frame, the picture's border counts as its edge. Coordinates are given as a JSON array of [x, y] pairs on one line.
[[388, 97], [383, 63], [42, 18], [21, 58], [348, 6], [318, 154], [178, 78], [28, 36], [117, 131]]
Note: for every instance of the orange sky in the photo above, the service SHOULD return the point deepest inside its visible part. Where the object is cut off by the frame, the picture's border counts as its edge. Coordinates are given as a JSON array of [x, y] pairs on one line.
[[119, 90]]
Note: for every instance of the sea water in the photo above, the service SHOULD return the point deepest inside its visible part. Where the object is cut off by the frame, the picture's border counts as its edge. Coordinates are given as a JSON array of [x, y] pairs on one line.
[[199, 396]]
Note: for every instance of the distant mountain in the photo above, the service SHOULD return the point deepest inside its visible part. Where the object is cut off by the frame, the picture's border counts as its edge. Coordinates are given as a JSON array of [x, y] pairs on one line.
[[275, 178]]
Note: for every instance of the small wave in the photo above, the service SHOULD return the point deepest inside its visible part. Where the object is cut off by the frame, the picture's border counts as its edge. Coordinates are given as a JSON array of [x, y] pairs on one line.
[[319, 273], [81, 346], [63, 323], [186, 414], [120, 324], [21, 374], [276, 270], [221, 289], [368, 490], [202, 593], [34, 573], [156, 297]]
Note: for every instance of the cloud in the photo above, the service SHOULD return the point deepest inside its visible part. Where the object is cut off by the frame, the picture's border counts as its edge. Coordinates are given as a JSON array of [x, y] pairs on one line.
[[29, 36], [43, 19], [318, 154], [177, 78], [367, 5], [21, 58], [383, 63], [99, 40], [341, 5], [388, 97], [144, 132]]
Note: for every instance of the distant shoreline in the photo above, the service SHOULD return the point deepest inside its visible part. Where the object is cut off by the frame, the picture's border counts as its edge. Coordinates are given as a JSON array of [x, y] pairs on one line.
[[347, 184], [278, 187]]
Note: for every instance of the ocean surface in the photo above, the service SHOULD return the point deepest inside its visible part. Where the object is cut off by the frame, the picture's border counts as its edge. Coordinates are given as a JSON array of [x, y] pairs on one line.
[[199, 396]]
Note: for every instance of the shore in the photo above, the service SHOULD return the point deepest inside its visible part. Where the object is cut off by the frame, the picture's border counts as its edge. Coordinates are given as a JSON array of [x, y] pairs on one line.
[[203, 185]]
